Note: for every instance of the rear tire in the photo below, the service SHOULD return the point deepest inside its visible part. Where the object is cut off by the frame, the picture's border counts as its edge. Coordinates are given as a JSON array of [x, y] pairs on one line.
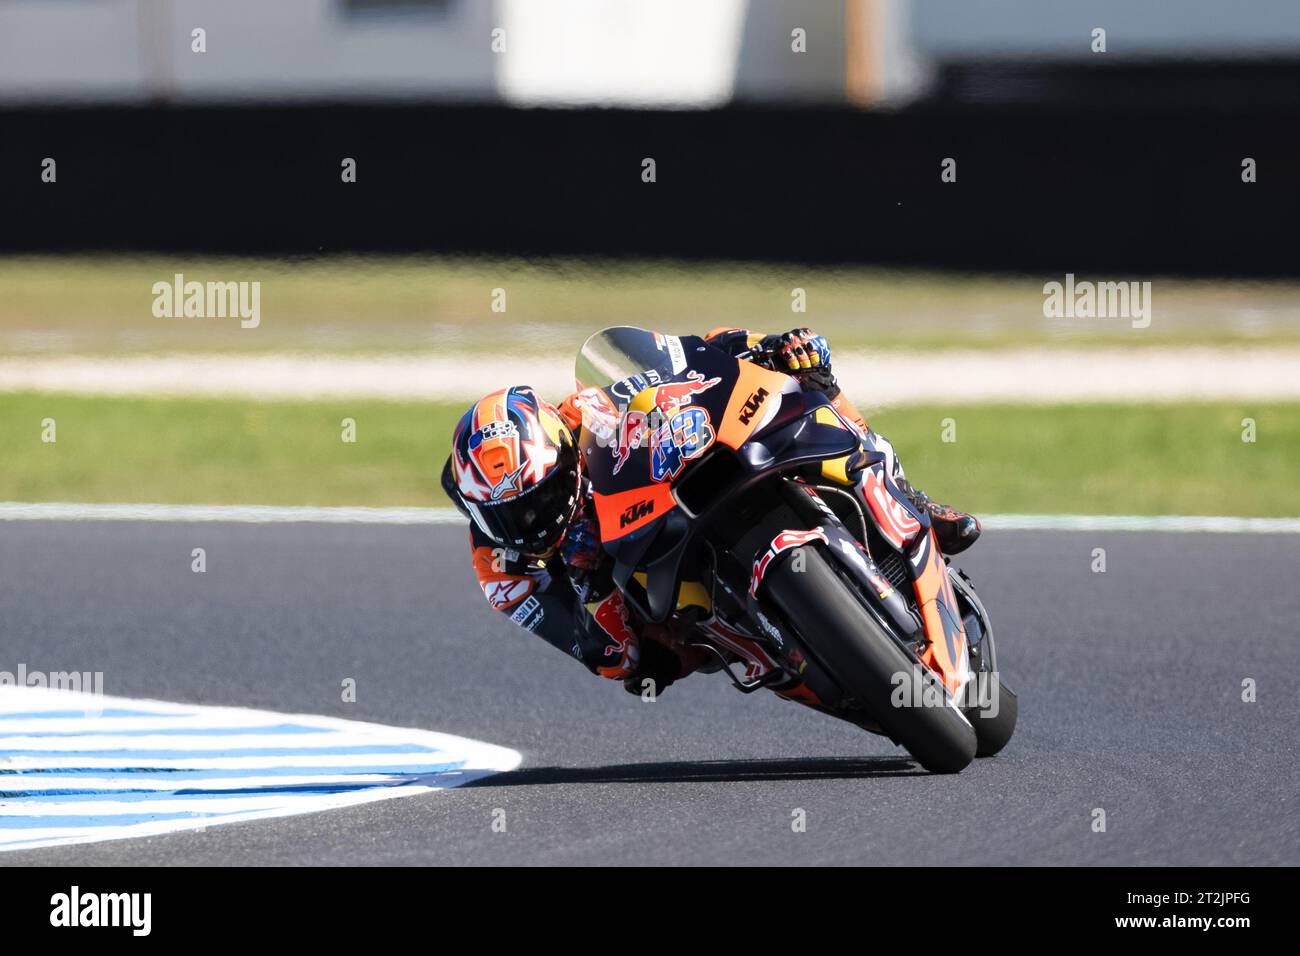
[[864, 660]]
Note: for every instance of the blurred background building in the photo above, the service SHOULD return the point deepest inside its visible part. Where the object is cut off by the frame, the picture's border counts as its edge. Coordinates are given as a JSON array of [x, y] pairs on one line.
[[611, 52], [1074, 150]]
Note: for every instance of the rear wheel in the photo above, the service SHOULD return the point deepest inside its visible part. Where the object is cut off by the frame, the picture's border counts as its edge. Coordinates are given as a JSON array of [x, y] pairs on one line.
[[868, 664]]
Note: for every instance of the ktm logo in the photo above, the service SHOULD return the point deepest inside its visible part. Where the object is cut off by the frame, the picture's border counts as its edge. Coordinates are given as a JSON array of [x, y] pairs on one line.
[[635, 513], [752, 405]]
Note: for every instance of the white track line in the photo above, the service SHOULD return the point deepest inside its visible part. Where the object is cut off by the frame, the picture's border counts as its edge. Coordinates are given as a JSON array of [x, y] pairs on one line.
[[249, 514], [268, 514], [1194, 523]]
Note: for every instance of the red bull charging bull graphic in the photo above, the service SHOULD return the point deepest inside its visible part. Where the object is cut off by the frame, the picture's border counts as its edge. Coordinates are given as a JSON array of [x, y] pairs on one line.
[[672, 396], [660, 420]]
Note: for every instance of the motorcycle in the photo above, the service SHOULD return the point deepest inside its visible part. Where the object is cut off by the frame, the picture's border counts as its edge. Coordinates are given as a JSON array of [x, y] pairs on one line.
[[714, 486]]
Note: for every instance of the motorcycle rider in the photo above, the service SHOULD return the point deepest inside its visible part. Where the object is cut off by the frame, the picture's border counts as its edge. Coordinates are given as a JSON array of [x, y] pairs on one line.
[[514, 470]]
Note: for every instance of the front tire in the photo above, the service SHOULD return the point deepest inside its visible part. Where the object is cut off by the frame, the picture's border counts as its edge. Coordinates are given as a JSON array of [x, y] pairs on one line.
[[997, 708], [994, 732], [866, 662]]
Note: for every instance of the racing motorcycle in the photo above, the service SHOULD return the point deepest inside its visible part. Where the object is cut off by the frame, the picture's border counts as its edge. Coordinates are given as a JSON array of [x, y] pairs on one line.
[[713, 481]]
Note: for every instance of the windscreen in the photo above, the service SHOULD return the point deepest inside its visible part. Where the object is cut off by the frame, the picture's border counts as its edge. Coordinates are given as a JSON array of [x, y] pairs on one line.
[[623, 351]]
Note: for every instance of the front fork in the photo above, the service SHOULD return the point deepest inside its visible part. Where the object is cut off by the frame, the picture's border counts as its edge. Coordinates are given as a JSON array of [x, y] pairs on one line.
[[947, 651], [908, 530], [938, 635]]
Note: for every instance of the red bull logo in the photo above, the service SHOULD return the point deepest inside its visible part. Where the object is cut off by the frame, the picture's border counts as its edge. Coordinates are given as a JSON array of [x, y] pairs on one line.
[[630, 435], [672, 441], [671, 397], [655, 421]]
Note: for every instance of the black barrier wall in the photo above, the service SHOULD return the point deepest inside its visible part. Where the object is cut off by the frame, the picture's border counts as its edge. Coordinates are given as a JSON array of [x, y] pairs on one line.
[[1037, 188]]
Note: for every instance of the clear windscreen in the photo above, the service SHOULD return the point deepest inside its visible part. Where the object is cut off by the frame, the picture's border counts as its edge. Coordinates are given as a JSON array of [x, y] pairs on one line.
[[623, 351]]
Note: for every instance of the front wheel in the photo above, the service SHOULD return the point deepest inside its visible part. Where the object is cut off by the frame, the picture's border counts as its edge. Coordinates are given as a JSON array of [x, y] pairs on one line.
[[868, 664], [996, 708], [995, 716]]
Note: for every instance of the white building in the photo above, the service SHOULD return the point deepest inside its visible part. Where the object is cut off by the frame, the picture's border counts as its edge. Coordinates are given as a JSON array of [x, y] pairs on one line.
[[615, 52]]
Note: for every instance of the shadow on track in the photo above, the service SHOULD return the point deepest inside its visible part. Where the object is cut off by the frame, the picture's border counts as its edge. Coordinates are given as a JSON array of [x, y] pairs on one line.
[[710, 771]]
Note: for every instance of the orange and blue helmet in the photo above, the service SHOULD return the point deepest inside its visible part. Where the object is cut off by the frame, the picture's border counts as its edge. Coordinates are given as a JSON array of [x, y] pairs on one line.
[[514, 470]]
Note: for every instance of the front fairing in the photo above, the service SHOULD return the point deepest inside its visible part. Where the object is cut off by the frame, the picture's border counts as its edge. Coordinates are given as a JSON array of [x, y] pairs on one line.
[[653, 404], [659, 550], [674, 428]]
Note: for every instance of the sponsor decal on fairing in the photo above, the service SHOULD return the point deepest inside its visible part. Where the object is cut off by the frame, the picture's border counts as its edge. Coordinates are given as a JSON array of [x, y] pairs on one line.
[[782, 542], [891, 517]]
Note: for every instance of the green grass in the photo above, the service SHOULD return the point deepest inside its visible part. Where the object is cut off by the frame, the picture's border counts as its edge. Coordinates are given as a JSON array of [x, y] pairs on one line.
[[1097, 459], [398, 303], [1104, 459], [216, 452]]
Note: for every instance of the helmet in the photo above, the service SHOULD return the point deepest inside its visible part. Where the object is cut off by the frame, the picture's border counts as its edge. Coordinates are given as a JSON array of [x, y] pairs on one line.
[[514, 470]]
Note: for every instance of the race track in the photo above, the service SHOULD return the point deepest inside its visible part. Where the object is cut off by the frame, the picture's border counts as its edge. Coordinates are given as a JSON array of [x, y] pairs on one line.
[[1130, 689]]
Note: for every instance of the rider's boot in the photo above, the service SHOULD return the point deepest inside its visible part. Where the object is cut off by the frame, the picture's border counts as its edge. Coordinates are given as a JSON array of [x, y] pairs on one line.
[[954, 530]]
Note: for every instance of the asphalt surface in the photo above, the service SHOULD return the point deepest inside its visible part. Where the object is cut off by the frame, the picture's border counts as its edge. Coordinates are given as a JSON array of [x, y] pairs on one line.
[[1130, 688]]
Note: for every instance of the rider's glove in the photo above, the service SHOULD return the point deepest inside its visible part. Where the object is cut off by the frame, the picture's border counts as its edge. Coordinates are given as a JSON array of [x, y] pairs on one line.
[[805, 355], [656, 668], [580, 551], [581, 545], [622, 660]]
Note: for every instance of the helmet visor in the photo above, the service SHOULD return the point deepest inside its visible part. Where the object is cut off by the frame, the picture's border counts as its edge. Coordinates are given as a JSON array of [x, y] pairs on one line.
[[533, 521]]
